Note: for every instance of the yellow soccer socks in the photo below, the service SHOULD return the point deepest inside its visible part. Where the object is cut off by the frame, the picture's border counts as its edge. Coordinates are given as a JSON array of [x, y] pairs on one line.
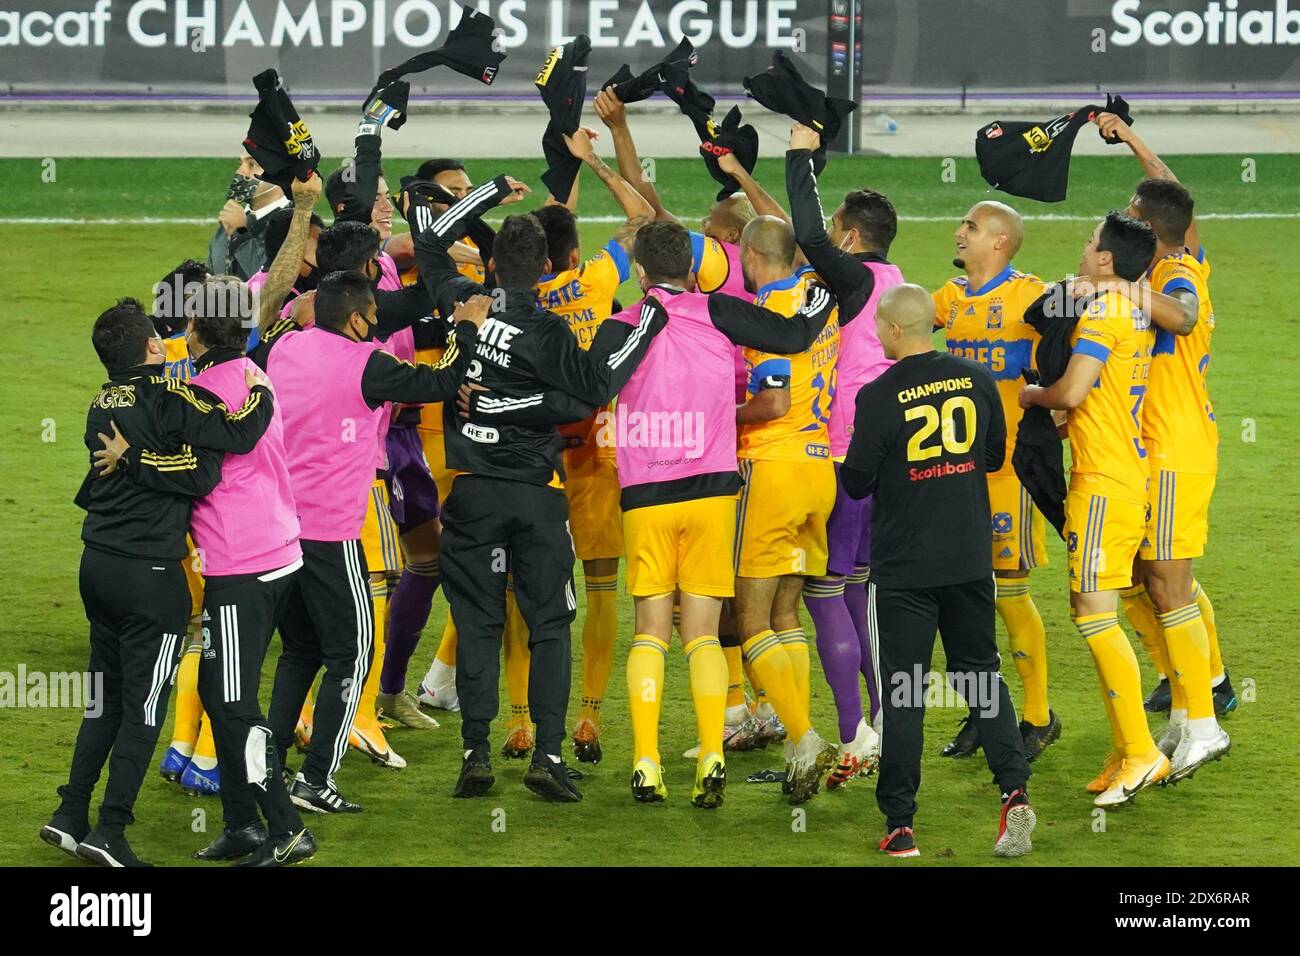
[[645, 689], [1121, 680], [599, 631], [1028, 642], [767, 657], [708, 667]]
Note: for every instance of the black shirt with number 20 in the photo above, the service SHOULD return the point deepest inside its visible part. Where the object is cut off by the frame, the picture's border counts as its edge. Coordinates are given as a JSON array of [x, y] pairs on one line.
[[925, 435]]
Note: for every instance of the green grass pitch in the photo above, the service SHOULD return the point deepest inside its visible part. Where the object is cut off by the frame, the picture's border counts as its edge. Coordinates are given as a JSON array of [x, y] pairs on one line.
[[56, 278]]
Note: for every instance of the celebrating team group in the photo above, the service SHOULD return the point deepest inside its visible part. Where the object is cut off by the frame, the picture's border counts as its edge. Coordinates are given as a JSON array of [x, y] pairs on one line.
[[469, 406]]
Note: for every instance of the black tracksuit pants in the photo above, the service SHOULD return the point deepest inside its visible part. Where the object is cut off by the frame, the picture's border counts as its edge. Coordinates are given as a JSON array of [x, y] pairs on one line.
[[138, 611], [328, 622], [903, 624], [240, 614], [491, 526]]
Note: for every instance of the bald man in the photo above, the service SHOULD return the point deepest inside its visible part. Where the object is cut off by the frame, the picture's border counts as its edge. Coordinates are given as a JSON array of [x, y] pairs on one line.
[[789, 490], [982, 315], [927, 432]]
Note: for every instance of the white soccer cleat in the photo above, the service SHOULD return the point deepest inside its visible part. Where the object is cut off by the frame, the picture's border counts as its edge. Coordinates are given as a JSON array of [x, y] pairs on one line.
[[859, 757], [1193, 753], [808, 760], [438, 689], [1171, 738]]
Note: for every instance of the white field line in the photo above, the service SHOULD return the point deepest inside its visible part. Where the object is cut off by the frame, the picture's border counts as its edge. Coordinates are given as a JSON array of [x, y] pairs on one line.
[[181, 221]]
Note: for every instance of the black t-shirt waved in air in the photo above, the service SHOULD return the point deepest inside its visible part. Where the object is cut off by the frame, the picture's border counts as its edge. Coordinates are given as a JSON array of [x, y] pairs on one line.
[[926, 433]]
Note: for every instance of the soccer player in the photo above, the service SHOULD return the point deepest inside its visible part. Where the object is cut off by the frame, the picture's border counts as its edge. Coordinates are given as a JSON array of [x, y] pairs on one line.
[[715, 249], [132, 584], [247, 531], [982, 315], [505, 511], [1181, 436], [333, 381], [677, 469], [1105, 510], [851, 259], [789, 489], [928, 430], [582, 292]]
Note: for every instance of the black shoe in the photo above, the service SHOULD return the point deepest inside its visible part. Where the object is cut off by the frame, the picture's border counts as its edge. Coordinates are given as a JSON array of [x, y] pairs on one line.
[[966, 743], [900, 842], [65, 834], [232, 844], [549, 778], [1160, 699], [1037, 739], [283, 851], [1225, 698], [475, 778], [769, 776], [104, 850], [322, 799]]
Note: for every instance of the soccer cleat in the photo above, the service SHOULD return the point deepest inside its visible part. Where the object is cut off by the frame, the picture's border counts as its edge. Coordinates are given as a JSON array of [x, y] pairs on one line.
[[859, 757], [371, 742], [402, 708], [747, 735], [65, 834], [967, 741], [1193, 753], [648, 782], [549, 778], [1037, 739], [283, 851], [1225, 698], [771, 730], [438, 689], [322, 799], [811, 758], [1099, 783], [586, 742], [1135, 775], [900, 842], [201, 783], [104, 850], [1160, 699], [1016, 827], [1171, 738], [710, 783], [476, 777], [520, 742], [232, 844], [173, 765]]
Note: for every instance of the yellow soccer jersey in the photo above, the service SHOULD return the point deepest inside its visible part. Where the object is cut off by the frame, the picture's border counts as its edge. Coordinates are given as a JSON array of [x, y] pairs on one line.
[[987, 326], [1106, 428], [801, 433], [177, 364], [1178, 426], [584, 297]]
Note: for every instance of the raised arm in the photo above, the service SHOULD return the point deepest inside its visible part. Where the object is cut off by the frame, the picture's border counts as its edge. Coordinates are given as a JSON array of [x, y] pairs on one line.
[[1152, 165], [613, 114], [759, 197], [288, 261], [635, 206]]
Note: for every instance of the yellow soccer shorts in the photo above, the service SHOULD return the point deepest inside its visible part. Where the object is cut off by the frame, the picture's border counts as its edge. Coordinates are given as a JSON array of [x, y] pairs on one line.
[[379, 533], [781, 521], [435, 453], [1178, 515], [1102, 536], [686, 544], [1019, 531], [594, 515]]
